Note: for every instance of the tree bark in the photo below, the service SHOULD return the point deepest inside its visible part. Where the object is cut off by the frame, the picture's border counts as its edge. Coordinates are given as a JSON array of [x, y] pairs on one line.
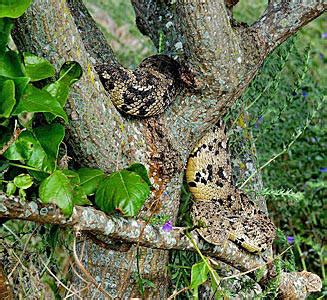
[[223, 59]]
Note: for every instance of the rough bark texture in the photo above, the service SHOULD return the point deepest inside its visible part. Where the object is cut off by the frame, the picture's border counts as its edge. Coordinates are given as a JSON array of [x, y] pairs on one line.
[[223, 59]]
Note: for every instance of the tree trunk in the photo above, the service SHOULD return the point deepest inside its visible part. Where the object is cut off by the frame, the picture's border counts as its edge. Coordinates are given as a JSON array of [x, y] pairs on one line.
[[223, 58]]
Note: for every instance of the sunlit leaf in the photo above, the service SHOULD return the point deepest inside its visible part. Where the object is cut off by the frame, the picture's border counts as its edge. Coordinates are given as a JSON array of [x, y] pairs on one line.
[[123, 191]]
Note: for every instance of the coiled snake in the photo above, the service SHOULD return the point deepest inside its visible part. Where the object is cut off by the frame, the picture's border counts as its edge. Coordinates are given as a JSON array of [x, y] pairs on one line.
[[221, 210]]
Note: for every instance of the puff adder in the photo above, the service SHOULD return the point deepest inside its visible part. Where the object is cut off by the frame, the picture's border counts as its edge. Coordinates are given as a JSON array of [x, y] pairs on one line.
[[222, 211]]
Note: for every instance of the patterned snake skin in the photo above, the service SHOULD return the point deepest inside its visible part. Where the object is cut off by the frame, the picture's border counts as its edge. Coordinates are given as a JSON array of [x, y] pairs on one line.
[[222, 211]]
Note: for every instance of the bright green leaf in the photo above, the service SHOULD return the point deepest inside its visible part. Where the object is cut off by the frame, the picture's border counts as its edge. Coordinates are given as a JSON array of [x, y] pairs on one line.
[[50, 138], [7, 98], [35, 100], [13, 8], [124, 191], [79, 197], [59, 91], [5, 29], [20, 84], [72, 176], [37, 68], [11, 65], [70, 72], [90, 179], [11, 189], [22, 148], [140, 170], [38, 150], [57, 189], [199, 274], [23, 181]]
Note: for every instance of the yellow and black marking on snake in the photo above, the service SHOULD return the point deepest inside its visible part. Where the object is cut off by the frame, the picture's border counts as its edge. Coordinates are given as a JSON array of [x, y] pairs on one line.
[[223, 211]]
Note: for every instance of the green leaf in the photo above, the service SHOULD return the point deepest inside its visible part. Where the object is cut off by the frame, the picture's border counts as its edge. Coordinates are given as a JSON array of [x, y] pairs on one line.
[[50, 138], [22, 148], [79, 197], [57, 189], [199, 274], [13, 8], [59, 91], [11, 65], [5, 29], [23, 181], [11, 189], [90, 179], [70, 72], [124, 191], [140, 170], [38, 150], [20, 84], [37, 68], [72, 176], [7, 98], [35, 100]]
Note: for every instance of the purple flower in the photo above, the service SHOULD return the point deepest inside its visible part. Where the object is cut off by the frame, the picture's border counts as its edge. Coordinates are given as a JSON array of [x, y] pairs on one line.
[[323, 170], [168, 226], [290, 239], [259, 121], [324, 35], [321, 55], [304, 94]]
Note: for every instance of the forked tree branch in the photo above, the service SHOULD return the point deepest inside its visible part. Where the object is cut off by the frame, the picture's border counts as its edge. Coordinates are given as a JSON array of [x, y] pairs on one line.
[[88, 219], [283, 18]]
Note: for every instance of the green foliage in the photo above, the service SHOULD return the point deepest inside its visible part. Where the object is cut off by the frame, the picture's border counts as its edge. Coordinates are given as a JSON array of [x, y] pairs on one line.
[[90, 179], [13, 8], [57, 189], [37, 68], [199, 275], [124, 191], [31, 106]]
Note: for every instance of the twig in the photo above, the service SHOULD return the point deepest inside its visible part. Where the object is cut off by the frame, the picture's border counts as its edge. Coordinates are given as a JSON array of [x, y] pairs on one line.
[[175, 293], [258, 267], [16, 133], [85, 272], [58, 280]]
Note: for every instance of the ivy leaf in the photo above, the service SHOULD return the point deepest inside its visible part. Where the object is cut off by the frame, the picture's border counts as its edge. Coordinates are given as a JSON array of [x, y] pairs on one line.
[[124, 191], [11, 65], [199, 275], [13, 8], [70, 72], [90, 179], [57, 189], [20, 84], [50, 138], [35, 100], [7, 98], [23, 181], [38, 150], [5, 29], [140, 170], [37, 68], [79, 196]]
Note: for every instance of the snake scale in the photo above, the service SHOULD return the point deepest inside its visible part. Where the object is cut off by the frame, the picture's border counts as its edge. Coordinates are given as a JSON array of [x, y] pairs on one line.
[[221, 210]]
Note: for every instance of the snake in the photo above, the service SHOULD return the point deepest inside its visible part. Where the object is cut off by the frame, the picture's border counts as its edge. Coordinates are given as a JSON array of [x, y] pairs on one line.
[[220, 211]]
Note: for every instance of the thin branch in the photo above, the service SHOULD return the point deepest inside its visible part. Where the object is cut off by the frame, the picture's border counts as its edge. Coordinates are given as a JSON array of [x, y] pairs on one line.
[[14, 137], [283, 18], [85, 272]]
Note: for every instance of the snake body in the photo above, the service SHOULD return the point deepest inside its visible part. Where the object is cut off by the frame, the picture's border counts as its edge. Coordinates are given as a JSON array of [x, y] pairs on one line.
[[222, 211]]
